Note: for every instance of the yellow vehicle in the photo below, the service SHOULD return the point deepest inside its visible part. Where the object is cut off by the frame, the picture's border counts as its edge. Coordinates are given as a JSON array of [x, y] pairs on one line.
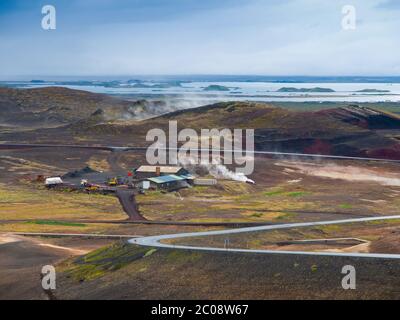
[[92, 188], [113, 182]]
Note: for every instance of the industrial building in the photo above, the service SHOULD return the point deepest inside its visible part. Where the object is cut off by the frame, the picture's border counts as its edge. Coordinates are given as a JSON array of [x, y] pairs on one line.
[[144, 172], [169, 182]]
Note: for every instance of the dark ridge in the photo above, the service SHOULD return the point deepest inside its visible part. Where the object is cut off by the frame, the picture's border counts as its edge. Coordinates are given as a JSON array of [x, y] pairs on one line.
[[365, 117]]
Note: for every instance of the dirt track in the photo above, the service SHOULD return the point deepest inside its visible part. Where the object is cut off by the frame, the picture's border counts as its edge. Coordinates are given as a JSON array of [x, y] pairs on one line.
[[128, 202]]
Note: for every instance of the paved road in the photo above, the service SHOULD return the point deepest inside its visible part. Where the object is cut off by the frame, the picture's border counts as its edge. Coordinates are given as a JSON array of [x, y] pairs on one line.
[[133, 148], [154, 241]]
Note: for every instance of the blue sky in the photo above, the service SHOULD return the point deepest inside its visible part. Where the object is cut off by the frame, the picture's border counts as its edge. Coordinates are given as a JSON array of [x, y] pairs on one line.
[[263, 37]]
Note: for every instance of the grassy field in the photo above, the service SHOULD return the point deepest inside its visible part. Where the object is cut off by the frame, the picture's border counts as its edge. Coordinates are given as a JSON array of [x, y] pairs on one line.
[[277, 200], [92, 228], [31, 202], [229, 201], [45, 207]]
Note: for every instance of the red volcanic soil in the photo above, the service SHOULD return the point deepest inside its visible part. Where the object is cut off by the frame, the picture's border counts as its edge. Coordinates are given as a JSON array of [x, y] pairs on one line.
[[319, 147], [392, 152]]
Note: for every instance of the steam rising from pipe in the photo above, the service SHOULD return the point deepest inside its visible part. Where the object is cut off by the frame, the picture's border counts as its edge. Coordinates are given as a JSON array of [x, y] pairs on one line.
[[215, 168]]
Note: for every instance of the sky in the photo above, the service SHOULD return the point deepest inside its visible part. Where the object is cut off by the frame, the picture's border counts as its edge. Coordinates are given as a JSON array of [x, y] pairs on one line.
[[234, 37]]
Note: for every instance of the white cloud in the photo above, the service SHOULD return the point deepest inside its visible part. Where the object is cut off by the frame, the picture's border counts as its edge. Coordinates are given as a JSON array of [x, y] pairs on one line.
[[298, 37]]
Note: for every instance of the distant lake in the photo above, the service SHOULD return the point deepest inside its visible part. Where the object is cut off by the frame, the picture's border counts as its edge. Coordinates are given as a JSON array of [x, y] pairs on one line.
[[249, 90]]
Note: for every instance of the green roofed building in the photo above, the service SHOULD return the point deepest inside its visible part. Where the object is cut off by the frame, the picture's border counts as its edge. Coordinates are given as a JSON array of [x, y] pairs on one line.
[[169, 182]]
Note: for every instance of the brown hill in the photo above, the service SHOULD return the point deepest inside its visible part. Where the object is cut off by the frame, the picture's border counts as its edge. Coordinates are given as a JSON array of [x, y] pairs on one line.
[[350, 131], [52, 106], [276, 129]]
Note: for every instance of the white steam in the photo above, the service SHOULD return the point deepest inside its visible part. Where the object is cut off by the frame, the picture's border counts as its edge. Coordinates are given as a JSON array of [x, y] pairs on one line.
[[215, 168], [342, 172], [145, 109]]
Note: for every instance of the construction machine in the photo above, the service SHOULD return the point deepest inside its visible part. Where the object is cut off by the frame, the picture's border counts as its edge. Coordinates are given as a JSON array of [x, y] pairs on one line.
[[113, 182], [92, 187]]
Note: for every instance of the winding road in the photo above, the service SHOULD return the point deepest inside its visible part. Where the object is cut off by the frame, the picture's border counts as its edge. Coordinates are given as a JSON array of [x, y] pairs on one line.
[[155, 241]]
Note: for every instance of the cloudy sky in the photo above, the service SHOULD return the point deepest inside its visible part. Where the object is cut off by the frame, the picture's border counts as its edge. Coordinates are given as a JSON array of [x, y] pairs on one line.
[[261, 37]]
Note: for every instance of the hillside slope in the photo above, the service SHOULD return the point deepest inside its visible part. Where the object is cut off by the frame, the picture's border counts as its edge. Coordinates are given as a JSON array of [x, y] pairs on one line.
[[53, 106], [128, 272], [365, 117], [349, 131], [276, 129]]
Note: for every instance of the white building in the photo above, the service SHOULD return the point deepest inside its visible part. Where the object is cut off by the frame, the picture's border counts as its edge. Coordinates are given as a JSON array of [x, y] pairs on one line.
[[54, 181]]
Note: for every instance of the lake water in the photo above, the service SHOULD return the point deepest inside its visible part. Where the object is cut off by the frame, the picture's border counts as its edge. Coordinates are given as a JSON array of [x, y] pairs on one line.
[[237, 90]]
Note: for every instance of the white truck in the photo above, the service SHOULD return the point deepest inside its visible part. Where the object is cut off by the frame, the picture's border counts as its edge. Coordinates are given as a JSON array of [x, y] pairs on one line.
[[52, 182]]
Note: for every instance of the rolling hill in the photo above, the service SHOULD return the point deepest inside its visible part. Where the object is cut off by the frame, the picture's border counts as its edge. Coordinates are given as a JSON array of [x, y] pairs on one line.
[[65, 115], [276, 129], [55, 106]]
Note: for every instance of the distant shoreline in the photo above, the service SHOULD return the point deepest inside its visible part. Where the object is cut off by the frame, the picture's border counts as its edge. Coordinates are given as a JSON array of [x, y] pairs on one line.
[[206, 78]]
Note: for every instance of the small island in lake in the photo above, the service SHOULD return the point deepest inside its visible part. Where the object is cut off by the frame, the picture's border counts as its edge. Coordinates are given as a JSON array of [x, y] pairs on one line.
[[215, 87]]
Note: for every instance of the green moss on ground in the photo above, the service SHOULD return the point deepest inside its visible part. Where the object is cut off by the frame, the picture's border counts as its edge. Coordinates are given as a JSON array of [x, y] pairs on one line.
[[56, 223], [181, 256], [292, 194], [345, 206], [107, 259]]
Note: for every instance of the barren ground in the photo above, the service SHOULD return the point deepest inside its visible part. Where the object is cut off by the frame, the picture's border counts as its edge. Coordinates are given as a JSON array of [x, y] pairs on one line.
[[286, 190]]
